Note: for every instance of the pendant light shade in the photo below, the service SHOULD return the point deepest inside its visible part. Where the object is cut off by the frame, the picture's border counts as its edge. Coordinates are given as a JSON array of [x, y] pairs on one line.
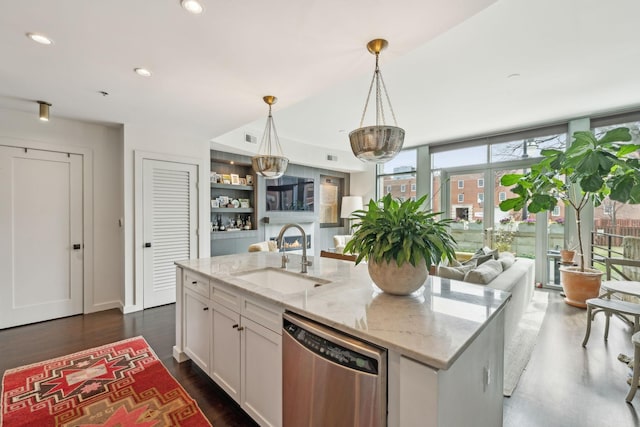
[[270, 161], [381, 142]]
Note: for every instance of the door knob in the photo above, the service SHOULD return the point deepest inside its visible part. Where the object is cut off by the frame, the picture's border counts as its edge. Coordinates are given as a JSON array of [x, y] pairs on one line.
[[147, 245], [77, 246]]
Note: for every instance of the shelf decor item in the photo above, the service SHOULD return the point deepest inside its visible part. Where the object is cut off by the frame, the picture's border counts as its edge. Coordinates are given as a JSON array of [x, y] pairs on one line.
[[270, 161], [400, 242], [381, 142], [594, 169]]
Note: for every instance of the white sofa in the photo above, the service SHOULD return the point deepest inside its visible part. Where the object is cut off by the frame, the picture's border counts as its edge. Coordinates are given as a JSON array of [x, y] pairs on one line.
[[517, 279]]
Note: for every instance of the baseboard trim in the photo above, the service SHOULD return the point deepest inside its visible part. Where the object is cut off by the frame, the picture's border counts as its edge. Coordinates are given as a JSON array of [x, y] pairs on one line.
[[104, 306], [179, 356], [131, 308]]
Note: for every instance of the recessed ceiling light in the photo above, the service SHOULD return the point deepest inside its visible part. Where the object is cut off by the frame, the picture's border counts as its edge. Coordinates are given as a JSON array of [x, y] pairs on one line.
[[40, 38], [192, 6], [142, 72]]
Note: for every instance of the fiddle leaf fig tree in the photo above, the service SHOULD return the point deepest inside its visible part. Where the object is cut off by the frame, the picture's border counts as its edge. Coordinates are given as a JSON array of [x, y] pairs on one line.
[[593, 169], [390, 230]]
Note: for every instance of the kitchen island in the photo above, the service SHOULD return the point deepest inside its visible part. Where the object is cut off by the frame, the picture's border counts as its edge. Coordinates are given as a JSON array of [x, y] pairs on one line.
[[444, 342]]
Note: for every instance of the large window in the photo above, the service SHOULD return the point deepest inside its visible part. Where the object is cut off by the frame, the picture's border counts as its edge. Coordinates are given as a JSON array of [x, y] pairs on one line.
[[470, 172], [613, 221], [397, 174]]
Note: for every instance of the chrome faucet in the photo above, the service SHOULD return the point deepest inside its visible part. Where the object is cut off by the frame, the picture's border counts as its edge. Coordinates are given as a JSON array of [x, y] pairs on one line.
[[285, 259]]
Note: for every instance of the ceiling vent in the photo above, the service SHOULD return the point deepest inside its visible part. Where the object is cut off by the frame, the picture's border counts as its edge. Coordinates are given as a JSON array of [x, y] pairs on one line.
[[332, 158], [250, 138]]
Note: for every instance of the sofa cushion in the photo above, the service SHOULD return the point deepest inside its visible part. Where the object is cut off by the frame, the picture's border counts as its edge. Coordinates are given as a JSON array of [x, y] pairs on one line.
[[493, 252], [478, 260], [506, 259], [454, 272], [485, 272]]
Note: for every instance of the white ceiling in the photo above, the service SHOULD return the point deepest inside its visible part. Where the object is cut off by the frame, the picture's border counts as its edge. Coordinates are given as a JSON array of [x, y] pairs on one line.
[[447, 67]]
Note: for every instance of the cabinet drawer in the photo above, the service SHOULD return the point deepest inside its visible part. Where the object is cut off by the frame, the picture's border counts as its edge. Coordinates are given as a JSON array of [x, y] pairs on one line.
[[263, 313], [196, 283], [225, 296]]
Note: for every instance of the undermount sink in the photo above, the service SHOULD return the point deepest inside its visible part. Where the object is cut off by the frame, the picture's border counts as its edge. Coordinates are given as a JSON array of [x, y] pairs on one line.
[[282, 281]]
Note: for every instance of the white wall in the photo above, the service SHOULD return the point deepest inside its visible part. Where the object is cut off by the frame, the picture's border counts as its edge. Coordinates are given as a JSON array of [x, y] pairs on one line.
[[162, 142], [103, 145], [364, 184]]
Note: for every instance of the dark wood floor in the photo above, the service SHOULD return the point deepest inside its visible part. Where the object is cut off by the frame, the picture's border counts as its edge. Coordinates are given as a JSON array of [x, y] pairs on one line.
[[563, 385]]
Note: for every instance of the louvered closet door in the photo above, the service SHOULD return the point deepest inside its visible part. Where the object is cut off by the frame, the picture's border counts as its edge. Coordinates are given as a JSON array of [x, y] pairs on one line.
[[170, 212]]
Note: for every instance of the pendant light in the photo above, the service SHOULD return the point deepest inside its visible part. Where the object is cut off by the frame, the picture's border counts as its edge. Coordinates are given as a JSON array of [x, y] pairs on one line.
[[379, 143], [270, 162]]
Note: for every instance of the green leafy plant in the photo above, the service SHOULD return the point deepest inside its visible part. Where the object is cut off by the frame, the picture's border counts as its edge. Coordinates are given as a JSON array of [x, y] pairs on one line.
[[391, 230], [593, 169]]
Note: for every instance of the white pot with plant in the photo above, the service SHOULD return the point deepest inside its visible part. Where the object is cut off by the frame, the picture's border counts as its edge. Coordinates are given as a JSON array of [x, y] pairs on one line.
[[400, 242], [593, 169]]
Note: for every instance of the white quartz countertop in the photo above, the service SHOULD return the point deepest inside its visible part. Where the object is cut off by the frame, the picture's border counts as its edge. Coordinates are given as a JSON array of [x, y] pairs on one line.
[[434, 325]]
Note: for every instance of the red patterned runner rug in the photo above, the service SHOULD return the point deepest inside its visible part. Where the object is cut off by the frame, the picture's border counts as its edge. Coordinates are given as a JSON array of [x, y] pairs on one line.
[[119, 384]]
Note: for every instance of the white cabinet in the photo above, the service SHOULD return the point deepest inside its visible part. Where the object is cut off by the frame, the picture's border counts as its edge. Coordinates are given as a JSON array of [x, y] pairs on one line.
[[225, 357], [247, 353], [261, 373], [236, 339], [197, 328]]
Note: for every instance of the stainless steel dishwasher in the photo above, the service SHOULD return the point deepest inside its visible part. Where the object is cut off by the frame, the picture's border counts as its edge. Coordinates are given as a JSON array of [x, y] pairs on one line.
[[330, 379]]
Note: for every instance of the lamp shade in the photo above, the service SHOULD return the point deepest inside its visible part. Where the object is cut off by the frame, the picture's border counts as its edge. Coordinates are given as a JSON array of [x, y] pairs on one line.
[[349, 205]]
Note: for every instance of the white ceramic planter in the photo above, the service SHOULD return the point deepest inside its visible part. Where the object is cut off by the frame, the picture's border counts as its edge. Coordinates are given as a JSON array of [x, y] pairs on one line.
[[398, 280]]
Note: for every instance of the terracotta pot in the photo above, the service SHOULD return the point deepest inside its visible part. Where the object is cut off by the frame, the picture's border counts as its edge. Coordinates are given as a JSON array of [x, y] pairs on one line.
[[398, 280], [566, 257], [580, 286]]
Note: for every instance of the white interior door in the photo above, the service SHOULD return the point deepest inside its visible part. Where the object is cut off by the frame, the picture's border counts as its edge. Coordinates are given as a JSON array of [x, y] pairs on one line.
[[41, 244], [170, 225]]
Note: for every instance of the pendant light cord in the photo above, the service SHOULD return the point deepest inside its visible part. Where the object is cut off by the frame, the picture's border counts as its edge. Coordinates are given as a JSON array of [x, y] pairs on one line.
[[379, 82]]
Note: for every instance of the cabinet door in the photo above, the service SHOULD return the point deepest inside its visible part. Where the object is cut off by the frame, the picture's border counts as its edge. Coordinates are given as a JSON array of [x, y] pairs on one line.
[[225, 357], [197, 329], [261, 373]]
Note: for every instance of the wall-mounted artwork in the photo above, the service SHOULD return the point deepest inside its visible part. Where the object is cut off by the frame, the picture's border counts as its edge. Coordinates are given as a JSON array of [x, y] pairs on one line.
[[330, 195]]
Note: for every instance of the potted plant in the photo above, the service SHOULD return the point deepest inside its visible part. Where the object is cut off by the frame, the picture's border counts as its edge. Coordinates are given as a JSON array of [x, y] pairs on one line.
[[400, 242], [593, 169]]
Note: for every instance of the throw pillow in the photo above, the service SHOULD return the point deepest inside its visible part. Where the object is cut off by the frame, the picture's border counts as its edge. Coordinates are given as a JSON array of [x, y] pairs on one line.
[[455, 273], [477, 260], [453, 263], [488, 251], [506, 259], [484, 273]]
